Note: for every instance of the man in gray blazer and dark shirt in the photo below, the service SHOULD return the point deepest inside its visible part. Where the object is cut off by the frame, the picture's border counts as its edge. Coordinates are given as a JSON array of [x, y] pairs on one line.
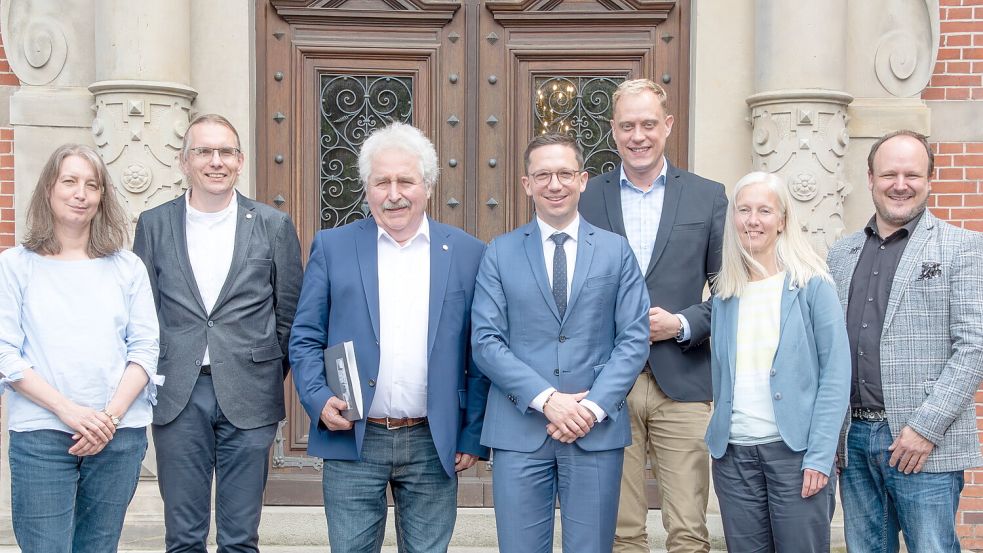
[[674, 222], [912, 289], [225, 273]]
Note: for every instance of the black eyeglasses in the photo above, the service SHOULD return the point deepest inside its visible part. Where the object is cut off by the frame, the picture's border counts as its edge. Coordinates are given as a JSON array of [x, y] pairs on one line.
[[203, 153], [565, 176]]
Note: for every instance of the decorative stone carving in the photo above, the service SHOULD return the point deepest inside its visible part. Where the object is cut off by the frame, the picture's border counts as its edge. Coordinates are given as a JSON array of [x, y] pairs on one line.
[[801, 135], [38, 38], [138, 128], [905, 53]]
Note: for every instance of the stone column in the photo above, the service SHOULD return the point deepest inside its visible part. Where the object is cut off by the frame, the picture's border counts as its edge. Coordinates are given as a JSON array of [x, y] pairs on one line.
[[142, 96], [798, 111], [50, 47]]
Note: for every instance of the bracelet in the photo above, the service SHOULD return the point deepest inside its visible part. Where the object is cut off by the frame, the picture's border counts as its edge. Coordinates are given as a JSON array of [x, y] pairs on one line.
[[545, 403]]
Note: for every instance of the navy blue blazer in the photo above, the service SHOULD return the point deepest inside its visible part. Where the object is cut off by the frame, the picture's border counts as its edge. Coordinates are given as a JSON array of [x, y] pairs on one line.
[[810, 377], [523, 346], [339, 301]]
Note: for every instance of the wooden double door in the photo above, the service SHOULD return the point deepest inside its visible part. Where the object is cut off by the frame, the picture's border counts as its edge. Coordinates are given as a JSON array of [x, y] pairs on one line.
[[480, 79]]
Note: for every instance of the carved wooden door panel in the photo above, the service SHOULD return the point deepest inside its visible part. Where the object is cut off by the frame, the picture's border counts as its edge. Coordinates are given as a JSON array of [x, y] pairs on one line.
[[480, 79]]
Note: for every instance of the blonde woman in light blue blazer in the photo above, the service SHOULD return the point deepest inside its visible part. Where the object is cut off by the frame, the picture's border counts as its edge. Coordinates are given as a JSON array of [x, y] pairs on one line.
[[781, 377]]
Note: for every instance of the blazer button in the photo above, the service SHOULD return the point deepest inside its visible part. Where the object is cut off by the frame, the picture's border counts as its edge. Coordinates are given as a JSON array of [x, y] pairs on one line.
[[211, 324], [371, 383], [556, 372], [773, 372], [778, 396], [563, 338]]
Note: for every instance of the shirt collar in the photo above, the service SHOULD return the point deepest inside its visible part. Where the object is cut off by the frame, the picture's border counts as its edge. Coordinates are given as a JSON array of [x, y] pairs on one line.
[[204, 215], [662, 177], [423, 231], [908, 228], [571, 230]]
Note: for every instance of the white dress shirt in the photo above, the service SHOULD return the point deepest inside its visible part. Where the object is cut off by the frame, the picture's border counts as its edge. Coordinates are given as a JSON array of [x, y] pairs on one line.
[[211, 241], [570, 248], [404, 315]]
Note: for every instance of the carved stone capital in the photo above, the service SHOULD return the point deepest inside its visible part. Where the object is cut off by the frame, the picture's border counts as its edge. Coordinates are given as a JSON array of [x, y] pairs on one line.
[[138, 128], [802, 136]]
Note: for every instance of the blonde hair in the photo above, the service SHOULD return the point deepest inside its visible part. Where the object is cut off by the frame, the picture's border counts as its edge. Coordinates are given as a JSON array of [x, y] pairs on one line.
[[793, 252], [108, 231], [638, 86]]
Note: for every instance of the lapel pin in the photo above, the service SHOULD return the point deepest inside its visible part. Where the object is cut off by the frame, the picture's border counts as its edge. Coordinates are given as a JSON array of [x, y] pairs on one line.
[[249, 216], [444, 247]]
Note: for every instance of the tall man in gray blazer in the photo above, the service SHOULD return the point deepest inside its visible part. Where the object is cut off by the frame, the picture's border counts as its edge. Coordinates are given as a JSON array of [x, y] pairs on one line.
[[559, 326], [911, 286], [674, 222], [225, 272]]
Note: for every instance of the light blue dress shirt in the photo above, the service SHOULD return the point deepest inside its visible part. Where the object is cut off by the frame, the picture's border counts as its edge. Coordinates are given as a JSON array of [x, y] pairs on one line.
[[77, 324]]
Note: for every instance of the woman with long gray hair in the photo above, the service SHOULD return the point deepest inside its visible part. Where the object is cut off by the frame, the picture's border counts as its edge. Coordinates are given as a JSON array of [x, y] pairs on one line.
[[78, 348], [781, 377]]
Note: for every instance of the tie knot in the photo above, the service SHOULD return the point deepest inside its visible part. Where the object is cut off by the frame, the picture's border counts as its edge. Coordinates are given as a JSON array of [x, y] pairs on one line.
[[559, 238]]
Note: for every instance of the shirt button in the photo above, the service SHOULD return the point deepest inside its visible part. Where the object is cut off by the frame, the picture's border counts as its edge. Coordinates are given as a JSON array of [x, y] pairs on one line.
[[563, 338], [863, 325], [863, 381], [197, 362], [882, 247], [371, 383], [870, 299], [778, 396], [860, 353], [876, 273], [211, 324]]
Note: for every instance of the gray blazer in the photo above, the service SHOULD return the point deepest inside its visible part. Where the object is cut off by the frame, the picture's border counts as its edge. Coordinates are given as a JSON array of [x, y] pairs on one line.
[[249, 326], [686, 254], [932, 340]]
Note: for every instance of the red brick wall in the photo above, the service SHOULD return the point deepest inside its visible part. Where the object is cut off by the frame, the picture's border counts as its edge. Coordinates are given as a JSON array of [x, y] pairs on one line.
[[958, 72], [957, 191], [7, 78]]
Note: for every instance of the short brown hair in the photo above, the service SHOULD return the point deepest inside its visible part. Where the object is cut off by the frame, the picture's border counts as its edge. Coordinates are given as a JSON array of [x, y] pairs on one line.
[[921, 138], [637, 86], [206, 118], [550, 139], [108, 231]]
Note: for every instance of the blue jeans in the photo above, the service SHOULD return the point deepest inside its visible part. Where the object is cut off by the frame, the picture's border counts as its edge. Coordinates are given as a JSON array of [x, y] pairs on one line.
[[62, 503], [879, 501], [425, 497]]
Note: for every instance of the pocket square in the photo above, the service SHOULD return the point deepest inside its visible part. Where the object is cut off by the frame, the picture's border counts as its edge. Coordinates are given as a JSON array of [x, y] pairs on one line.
[[930, 269]]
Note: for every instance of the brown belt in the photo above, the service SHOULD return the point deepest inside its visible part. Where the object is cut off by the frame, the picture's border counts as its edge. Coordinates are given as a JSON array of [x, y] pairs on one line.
[[392, 424]]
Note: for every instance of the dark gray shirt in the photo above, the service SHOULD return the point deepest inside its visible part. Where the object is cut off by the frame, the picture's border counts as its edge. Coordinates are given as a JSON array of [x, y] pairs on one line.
[[870, 290]]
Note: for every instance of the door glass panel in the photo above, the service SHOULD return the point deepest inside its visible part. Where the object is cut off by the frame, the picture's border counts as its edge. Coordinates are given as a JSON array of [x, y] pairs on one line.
[[580, 106], [352, 106]]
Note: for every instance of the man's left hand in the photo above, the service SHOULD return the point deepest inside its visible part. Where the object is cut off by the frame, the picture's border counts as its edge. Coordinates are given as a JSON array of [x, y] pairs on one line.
[[909, 451], [663, 325], [463, 461]]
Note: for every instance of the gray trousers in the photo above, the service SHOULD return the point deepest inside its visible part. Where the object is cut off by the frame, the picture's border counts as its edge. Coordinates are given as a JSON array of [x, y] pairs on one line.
[[761, 504], [198, 443]]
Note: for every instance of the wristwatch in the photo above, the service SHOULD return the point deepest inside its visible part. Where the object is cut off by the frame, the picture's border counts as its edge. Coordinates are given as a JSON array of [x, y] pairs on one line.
[[112, 418], [679, 332]]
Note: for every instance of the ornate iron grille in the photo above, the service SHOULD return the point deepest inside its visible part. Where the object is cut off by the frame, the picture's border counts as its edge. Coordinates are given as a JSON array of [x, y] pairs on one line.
[[580, 106], [352, 106]]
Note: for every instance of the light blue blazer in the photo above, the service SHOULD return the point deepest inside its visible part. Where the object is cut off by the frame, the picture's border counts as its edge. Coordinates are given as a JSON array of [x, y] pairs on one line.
[[810, 376], [523, 346]]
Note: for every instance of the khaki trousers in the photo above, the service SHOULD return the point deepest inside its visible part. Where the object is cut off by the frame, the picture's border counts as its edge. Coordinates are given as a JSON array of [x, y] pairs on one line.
[[671, 432]]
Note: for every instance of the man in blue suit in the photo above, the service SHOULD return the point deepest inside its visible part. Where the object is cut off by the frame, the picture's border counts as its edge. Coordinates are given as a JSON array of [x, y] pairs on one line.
[[562, 343], [399, 286]]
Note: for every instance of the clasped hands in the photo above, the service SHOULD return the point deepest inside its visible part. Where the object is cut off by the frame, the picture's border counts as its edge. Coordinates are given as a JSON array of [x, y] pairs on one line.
[[569, 420], [93, 429]]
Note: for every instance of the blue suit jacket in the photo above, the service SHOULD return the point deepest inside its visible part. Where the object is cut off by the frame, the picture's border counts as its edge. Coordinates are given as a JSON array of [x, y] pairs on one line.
[[521, 344], [339, 301], [810, 380]]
